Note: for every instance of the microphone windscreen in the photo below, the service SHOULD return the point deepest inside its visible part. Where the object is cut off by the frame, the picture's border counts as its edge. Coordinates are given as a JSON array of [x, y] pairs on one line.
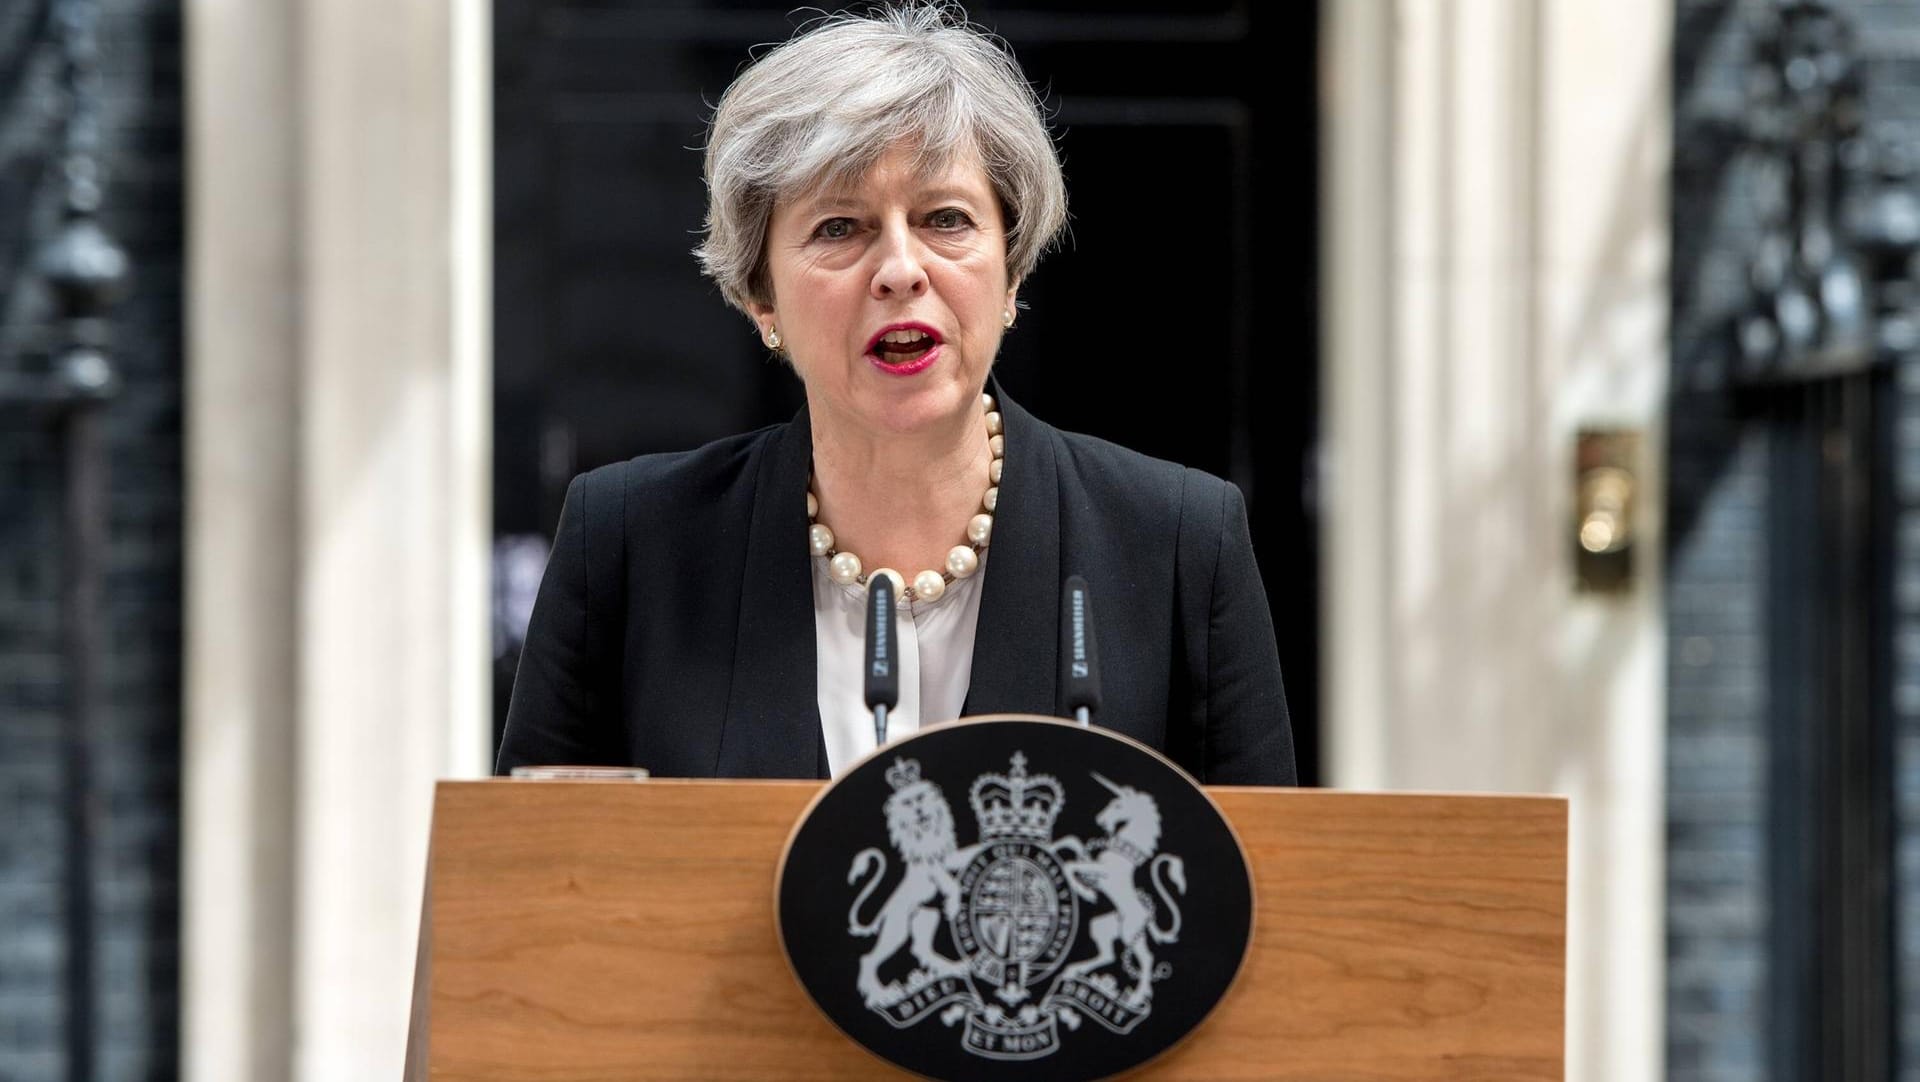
[[1079, 655], [883, 673]]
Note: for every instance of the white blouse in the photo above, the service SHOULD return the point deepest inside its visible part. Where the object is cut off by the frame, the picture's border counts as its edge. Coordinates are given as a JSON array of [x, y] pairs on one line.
[[935, 652]]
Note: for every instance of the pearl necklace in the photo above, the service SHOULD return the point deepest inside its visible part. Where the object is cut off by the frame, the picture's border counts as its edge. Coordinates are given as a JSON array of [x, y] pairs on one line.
[[962, 560]]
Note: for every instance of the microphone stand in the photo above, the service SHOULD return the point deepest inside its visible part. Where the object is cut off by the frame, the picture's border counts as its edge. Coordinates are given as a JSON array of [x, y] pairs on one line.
[[1079, 655], [882, 676]]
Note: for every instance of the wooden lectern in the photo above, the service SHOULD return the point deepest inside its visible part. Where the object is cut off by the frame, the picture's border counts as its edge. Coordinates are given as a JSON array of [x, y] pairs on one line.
[[625, 930]]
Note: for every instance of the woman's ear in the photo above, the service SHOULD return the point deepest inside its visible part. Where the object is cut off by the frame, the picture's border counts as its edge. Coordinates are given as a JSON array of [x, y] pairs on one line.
[[764, 319]]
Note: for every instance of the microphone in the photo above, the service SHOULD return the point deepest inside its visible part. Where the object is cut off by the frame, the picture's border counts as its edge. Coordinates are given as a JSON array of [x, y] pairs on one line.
[[883, 677], [1079, 657]]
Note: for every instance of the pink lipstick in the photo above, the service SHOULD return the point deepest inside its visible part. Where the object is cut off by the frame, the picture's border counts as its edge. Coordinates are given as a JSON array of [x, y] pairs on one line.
[[902, 349]]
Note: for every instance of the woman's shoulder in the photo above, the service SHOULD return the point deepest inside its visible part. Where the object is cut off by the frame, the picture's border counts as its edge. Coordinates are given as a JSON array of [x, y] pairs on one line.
[[677, 480], [1111, 473]]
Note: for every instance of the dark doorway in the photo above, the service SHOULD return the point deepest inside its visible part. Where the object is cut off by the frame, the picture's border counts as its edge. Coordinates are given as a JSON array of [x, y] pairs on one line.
[[1180, 320]]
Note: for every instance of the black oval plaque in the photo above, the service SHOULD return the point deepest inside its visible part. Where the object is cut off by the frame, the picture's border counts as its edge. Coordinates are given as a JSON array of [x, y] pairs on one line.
[[1015, 898]]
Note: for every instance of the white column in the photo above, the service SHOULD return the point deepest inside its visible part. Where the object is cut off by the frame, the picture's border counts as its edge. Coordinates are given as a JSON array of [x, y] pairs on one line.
[[339, 388], [242, 543], [1357, 251], [1518, 295], [1602, 301], [393, 508]]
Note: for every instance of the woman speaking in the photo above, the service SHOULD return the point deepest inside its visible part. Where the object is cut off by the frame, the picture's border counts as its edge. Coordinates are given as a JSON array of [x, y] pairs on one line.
[[878, 188]]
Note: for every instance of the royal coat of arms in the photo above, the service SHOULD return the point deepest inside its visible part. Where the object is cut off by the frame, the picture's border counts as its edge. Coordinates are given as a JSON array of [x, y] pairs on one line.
[[1012, 905]]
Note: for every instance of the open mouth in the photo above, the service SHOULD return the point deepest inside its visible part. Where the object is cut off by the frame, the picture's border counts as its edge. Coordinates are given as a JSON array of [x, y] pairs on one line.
[[904, 348]]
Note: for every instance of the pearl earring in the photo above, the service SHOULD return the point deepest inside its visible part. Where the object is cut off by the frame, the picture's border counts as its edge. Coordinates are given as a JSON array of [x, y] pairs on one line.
[[1006, 318], [773, 339]]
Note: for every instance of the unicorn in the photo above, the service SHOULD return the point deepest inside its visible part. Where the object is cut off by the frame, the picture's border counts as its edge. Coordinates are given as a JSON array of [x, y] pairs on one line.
[[1107, 868]]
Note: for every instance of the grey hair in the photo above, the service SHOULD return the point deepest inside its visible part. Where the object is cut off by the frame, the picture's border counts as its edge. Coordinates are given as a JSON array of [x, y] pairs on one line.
[[821, 109]]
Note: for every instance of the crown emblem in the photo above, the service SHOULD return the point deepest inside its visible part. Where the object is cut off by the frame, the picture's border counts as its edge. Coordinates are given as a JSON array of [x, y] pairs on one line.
[[1015, 807], [903, 772]]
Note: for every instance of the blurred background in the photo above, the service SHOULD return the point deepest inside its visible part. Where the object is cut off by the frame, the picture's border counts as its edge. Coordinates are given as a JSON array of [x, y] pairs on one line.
[[1568, 355]]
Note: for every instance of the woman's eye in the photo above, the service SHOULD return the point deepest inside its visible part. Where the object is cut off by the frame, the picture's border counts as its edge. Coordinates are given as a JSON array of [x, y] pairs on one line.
[[950, 218], [835, 229]]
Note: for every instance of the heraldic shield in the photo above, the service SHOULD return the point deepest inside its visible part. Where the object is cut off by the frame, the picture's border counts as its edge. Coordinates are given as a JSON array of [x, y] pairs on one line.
[[1014, 898]]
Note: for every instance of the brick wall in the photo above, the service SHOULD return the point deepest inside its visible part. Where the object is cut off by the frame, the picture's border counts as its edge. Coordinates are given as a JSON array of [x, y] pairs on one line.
[[1716, 751], [1893, 28], [1716, 667], [139, 766], [1717, 746], [1906, 707]]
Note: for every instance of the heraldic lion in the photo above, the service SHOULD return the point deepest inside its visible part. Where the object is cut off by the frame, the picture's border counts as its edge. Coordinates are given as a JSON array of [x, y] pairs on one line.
[[920, 825]]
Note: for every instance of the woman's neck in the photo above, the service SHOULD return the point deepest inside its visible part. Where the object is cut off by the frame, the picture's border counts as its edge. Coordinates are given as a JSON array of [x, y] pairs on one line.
[[900, 501]]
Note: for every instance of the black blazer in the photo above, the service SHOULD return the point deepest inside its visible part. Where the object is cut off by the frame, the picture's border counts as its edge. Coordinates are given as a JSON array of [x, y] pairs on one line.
[[674, 628]]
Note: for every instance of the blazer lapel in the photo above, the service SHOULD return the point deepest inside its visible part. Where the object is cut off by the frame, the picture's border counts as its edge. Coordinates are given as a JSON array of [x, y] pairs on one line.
[[772, 722], [1016, 644]]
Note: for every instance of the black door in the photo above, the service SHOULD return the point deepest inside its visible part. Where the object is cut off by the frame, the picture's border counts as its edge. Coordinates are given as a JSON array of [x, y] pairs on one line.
[[1180, 320]]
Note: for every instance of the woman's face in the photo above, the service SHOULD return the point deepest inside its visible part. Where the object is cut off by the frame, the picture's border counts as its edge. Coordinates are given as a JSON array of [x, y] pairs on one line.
[[900, 254]]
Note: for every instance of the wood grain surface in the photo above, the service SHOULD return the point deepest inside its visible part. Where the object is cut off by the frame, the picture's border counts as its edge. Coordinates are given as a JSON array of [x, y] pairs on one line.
[[605, 930]]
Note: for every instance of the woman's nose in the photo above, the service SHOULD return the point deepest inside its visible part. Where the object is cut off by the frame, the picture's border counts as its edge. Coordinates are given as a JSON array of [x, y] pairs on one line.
[[902, 270]]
